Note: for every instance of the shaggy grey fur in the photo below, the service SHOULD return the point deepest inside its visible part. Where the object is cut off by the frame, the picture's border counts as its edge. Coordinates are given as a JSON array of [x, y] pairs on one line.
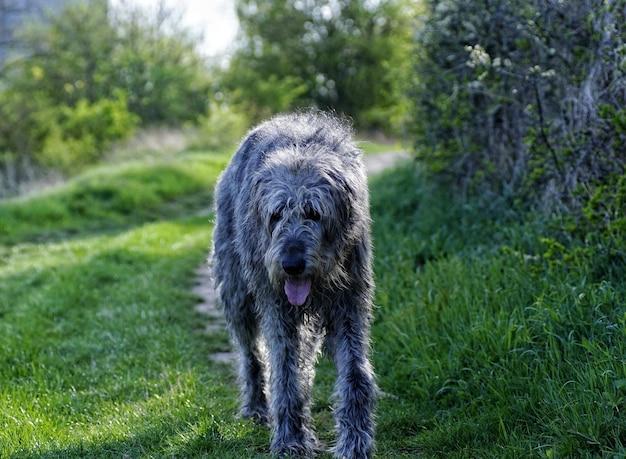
[[292, 262]]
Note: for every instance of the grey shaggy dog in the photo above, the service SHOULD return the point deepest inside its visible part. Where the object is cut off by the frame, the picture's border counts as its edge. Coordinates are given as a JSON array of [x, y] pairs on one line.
[[292, 262]]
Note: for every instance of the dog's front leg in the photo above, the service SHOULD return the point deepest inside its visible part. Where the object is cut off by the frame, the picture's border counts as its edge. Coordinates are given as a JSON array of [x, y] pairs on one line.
[[355, 390], [290, 398]]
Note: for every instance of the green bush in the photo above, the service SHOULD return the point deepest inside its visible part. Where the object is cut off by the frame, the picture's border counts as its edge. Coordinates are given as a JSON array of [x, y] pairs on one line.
[[81, 134], [91, 50], [24, 124], [524, 98], [348, 55], [222, 128], [89, 75]]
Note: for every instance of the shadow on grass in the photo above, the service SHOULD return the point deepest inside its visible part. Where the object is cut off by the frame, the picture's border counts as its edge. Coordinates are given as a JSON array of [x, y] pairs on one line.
[[210, 437]]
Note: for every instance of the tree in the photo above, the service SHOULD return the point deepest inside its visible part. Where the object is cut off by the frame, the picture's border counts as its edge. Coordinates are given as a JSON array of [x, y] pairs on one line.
[[89, 75], [157, 66], [90, 51], [346, 55]]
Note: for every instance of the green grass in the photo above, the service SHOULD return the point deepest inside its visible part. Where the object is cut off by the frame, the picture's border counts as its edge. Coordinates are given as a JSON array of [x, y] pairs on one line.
[[114, 197], [102, 354], [372, 147], [497, 345], [491, 339]]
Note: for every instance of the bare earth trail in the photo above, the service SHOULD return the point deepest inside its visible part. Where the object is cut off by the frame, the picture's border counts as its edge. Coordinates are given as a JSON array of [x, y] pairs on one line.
[[204, 283]]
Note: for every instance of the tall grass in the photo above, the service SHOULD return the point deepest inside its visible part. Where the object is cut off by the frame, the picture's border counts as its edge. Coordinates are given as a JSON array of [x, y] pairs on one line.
[[504, 347]]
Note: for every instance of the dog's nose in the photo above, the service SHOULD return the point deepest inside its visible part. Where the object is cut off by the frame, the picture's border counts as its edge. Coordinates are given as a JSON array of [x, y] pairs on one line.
[[294, 266]]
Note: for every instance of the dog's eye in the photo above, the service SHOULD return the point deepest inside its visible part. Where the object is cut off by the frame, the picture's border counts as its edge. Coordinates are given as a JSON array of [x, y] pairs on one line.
[[275, 217], [312, 214]]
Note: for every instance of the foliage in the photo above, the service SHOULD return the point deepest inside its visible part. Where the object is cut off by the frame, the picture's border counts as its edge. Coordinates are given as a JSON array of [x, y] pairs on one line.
[[88, 76], [222, 128], [157, 65], [65, 138], [524, 97], [347, 55], [67, 56], [79, 135], [91, 51], [21, 133]]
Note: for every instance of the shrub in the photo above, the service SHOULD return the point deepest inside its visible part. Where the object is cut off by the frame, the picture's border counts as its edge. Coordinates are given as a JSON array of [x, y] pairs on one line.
[[512, 96], [347, 55], [89, 50], [62, 138], [222, 128], [21, 133], [81, 134]]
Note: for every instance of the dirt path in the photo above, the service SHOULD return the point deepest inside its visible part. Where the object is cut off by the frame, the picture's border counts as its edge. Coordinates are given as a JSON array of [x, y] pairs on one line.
[[381, 161], [204, 283]]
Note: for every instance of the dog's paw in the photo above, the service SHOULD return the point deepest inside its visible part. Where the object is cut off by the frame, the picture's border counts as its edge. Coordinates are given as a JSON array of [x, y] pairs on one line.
[[354, 446], [258, 414], [303, 445]]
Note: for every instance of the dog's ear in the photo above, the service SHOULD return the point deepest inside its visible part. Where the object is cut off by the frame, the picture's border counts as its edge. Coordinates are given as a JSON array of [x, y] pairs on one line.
[[257, 186], [348, 192], [267, 198]]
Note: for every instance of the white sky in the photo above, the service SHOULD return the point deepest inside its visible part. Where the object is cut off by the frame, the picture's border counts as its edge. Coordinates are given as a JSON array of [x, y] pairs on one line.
[[215, 19]]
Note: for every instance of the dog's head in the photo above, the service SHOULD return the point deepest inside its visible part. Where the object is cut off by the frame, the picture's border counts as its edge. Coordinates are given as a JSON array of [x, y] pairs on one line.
[[311, 211]]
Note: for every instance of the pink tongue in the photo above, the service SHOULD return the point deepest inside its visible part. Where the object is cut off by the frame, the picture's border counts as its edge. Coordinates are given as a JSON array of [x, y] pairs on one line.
[[297, 290]]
